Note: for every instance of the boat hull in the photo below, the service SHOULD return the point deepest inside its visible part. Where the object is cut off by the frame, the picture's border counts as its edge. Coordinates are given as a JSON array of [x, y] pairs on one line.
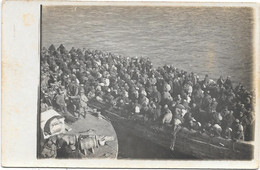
[[188, 142]]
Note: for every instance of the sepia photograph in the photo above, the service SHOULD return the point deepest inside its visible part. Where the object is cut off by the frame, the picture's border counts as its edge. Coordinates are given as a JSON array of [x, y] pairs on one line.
[[146, 82]]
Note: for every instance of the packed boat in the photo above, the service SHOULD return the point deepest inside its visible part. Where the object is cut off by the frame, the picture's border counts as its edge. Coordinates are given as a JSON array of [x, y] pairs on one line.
[[206, 118]]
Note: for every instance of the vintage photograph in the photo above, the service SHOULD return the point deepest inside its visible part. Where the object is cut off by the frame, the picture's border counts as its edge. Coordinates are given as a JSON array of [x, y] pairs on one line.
[[146, 83]]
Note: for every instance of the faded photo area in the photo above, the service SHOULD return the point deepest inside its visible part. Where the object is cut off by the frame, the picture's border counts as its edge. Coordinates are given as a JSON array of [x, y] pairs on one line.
[[146, 82]]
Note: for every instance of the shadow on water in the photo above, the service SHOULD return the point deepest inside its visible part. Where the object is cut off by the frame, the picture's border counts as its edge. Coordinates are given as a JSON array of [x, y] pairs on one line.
[[133, 147]]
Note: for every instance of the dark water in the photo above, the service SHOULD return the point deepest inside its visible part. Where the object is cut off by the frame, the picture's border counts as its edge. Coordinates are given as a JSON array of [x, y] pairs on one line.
[[213, 41], [206, 40], [133, 147]]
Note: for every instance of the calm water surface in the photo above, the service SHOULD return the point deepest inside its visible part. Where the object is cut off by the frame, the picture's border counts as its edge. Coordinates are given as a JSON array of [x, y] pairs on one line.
[[214, 41]]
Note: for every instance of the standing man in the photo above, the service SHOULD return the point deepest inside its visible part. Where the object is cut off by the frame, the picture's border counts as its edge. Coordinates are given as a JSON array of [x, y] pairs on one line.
[[83, 106], [60, 100]]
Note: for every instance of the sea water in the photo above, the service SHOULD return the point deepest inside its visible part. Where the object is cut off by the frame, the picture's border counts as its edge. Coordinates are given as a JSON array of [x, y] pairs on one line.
[[206, 40]]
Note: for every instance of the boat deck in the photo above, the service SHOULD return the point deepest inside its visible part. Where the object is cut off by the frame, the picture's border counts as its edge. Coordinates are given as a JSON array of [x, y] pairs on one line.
[[100, 127]]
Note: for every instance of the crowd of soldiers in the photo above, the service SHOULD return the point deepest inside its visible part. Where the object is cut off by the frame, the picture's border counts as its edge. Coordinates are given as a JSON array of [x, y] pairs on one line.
[[164, 95]]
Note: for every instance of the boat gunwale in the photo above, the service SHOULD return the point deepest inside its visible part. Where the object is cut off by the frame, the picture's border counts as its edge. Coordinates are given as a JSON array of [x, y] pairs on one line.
[[238, 149]]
